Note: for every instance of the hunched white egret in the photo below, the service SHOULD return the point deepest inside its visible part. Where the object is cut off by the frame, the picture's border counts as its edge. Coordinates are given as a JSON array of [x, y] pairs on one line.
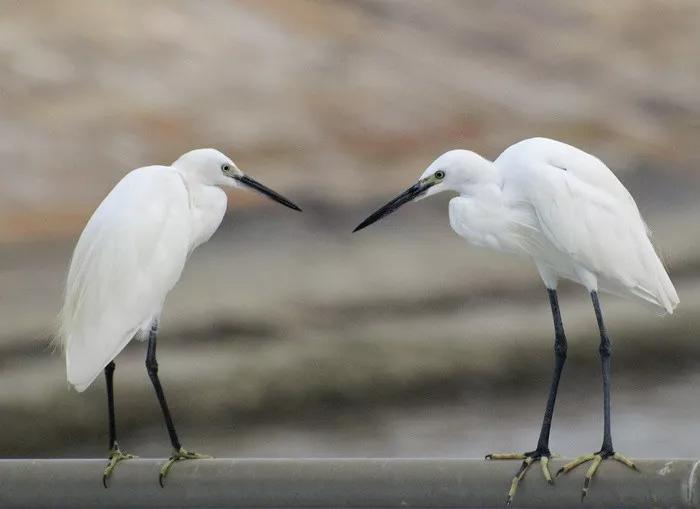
[[129, 256], [566, 210]]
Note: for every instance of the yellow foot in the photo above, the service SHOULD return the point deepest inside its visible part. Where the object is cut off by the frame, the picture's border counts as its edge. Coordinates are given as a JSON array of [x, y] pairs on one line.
[[528, 459], [596, 458], [179, 455], [115, 456]]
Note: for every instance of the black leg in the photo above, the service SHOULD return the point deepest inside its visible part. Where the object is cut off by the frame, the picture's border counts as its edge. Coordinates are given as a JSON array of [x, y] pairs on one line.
[[152, 368], [606, 450], [560, 348], [542, 453], [109, 377], [605, 350], [179, 453], [115, 454]]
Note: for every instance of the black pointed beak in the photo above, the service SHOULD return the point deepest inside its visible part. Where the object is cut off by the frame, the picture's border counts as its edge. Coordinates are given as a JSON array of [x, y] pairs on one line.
[[408, 195], [254, 184]]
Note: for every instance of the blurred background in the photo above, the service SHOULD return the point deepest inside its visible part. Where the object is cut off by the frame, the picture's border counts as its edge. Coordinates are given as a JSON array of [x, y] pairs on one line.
[[288, 336]]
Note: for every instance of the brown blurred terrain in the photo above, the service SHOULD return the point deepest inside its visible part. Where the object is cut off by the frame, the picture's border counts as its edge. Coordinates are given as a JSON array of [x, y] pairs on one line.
[[288, 335]]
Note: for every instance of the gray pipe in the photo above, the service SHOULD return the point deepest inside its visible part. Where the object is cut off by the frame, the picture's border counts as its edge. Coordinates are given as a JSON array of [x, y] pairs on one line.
[[335, 483]]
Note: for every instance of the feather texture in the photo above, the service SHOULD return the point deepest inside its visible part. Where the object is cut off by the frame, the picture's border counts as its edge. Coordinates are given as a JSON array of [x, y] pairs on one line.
[[129, 256], [571, 214]]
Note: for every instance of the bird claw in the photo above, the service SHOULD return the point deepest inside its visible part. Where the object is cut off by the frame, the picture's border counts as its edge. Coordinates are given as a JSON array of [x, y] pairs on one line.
[[116, 456], [505, 456], [575, 463], [528, 459], [544, 463], [179, 455], [625, 461], [596, 458]]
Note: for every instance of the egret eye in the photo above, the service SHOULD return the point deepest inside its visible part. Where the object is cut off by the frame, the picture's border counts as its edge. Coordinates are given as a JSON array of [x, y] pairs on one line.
[[439, 174], [225, 168]]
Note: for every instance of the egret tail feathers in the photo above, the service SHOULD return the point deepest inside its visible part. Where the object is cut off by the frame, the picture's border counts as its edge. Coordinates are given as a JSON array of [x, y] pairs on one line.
[[86, 360], [668, 297], [659, 283]]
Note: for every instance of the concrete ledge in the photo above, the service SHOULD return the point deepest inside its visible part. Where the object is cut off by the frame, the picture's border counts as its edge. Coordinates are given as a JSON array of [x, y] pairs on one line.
[[331, 483]]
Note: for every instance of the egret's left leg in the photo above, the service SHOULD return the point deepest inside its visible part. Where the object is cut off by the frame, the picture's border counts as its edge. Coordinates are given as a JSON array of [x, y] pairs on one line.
[[116, 455], [179, 453], [606, 451], [542, 453]]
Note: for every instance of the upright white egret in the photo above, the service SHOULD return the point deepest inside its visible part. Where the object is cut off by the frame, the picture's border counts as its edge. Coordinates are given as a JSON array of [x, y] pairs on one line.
[[129, 256], [568, 212]]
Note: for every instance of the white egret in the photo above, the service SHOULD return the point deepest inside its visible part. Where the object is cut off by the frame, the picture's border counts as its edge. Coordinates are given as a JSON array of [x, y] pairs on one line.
[[129, 256], [566, 210]]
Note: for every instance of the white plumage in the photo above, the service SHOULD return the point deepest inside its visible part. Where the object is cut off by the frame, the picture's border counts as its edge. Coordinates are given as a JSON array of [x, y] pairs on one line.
[[132, 253], [127, 259], [565, 209]]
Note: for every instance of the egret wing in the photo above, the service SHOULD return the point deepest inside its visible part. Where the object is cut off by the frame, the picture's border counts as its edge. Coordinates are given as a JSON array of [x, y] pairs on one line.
[[588, 215], [127, 259]]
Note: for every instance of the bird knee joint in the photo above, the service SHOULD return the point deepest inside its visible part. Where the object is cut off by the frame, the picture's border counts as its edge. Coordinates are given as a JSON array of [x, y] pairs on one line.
[[560, 346], [560, 350], [151, 366]]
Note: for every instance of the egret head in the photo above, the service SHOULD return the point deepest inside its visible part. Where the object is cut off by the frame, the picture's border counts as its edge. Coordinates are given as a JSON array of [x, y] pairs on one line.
[[461, 171], [211, 167]]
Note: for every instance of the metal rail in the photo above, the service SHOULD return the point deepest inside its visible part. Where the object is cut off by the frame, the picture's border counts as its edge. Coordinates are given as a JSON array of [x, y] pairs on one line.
[[335, 483]]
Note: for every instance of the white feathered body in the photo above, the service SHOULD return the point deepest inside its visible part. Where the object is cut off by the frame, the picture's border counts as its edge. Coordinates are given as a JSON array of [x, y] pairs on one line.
[[129, 256], [570, 213]]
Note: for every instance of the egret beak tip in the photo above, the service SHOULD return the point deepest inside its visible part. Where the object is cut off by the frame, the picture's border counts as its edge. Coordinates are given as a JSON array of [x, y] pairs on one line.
[[264, 190], [408, 195]]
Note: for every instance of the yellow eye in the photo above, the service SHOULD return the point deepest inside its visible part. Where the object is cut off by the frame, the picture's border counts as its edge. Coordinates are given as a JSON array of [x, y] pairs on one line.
[[440, 175]]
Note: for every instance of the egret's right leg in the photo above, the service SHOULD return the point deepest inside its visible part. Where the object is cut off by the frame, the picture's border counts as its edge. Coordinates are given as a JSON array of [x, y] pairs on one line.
[[606, 450], [542, 452], [179, 453], [115, 453]]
